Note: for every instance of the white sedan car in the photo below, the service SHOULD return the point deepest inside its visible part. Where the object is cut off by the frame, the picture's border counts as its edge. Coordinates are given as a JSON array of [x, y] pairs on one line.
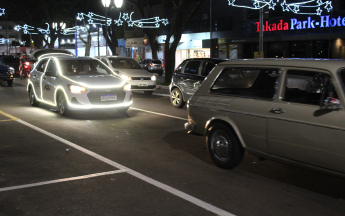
[[77, 83], [129, 69]]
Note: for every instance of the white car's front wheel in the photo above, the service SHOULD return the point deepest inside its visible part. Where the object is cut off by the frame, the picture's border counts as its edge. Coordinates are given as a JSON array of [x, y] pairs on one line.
[[62, 105]]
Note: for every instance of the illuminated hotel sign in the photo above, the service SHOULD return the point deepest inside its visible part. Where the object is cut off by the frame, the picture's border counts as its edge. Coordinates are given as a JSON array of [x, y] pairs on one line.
[[309, 23]]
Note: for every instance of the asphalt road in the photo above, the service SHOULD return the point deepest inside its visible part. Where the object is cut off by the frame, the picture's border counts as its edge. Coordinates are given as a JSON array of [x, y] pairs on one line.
[[139, 163]]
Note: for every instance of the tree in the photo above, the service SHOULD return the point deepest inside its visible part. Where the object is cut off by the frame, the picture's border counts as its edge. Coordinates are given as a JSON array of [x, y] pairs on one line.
[[183, 11], [150, 32], [87, 42]]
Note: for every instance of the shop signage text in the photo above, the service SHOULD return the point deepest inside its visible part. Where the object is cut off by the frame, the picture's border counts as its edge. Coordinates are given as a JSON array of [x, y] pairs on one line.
[[309, 23]]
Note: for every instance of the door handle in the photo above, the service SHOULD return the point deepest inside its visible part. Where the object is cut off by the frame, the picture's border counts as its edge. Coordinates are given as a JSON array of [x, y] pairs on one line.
[[277, 110]]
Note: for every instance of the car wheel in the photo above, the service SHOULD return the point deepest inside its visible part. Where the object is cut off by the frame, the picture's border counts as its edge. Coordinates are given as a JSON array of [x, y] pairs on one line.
[[148, 92], [224, 147], [32, 97], [9, 83], [62, 105], [176, 98]]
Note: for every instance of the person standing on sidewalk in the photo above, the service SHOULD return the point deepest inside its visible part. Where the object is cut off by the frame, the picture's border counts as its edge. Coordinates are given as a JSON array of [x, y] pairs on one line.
[[21, 64]]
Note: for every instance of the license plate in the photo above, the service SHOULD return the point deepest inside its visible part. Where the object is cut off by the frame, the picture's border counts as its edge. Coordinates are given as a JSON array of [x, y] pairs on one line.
[[108, 97], [142, 84]]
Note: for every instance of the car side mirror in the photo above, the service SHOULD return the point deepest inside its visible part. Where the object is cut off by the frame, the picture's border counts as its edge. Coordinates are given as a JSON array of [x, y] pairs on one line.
[[50, 74], [332, 103]]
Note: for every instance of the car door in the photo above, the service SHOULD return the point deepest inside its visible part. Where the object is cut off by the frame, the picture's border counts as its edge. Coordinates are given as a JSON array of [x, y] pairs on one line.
[[190, 78], [49, 79], [244, 96], [302, 130], [36, 76]]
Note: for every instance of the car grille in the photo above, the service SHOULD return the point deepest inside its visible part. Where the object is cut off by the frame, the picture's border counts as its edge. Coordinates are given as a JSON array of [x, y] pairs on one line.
[[143, 87], [139, 78], [95, 96]]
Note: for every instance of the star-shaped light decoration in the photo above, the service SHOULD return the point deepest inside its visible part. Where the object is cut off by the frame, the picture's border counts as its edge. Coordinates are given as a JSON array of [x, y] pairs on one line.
[[118, 22], [318, 11], [319, 2], [140, 25], [2, 11], [3, 41], [125, 16], [165, 22], [284, 6], [157, 25], [271, 5], [295, 9], [130, 23], [328, 6], [80, 16], [256, 4], [231, 2]]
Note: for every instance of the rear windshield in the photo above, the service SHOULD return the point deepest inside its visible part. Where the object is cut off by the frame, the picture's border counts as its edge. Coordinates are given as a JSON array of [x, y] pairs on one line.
[[155, 61], [83, 67], [119, 63]]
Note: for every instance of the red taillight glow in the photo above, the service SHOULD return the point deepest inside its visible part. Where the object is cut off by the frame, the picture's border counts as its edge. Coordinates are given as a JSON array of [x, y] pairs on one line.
[[150, 64], [162, 65]]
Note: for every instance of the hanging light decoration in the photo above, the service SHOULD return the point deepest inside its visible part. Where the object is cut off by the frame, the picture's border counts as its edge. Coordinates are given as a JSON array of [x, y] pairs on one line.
[[2, 11], [303, 7]]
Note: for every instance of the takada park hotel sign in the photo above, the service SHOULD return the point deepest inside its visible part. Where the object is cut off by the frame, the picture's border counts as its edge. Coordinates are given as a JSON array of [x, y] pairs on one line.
[[299, 24]]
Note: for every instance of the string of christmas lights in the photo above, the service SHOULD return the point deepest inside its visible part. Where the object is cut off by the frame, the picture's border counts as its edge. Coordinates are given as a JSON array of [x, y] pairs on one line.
[[304, 7], [4, 40]]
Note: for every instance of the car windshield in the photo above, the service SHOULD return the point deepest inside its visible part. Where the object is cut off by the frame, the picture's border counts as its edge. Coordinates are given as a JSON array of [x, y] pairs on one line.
[[83, 67], [119, 63], [156, 61]]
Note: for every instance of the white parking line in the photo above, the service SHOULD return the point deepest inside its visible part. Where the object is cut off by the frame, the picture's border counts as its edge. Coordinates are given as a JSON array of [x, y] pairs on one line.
[[170, 116], [122, 168], [62, 180]]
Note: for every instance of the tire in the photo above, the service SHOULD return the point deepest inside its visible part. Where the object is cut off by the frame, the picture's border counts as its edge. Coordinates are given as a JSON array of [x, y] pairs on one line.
[[148, 92], [176, 98], [62, 105], [223, 146], [9, 83], [32, 97]]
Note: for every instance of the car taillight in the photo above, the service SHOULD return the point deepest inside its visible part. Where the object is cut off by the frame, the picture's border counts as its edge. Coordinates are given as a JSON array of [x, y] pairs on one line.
[[162, 65], [150, 64]]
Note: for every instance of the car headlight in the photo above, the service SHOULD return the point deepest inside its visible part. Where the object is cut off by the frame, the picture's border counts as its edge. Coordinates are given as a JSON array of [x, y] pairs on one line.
[[76, 89], [127, 87], [126, 77], [153, 78], [11, 70]]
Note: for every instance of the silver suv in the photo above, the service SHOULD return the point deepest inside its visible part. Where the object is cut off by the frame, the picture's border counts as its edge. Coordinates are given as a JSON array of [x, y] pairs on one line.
[[287, 110], [153, 66]]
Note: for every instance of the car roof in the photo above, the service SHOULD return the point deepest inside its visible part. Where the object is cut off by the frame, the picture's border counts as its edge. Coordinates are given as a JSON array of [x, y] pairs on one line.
[[37, 53], [325, 64], [214, 60], [120, 57]]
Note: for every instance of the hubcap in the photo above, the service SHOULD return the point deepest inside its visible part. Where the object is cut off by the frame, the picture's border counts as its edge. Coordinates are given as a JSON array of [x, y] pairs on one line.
[[175, 98], [221, 144]]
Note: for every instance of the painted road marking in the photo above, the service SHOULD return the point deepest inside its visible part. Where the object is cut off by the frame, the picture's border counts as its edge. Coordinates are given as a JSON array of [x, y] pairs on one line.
[[147, 179], [12, 118], [170, 116], [62, 180]]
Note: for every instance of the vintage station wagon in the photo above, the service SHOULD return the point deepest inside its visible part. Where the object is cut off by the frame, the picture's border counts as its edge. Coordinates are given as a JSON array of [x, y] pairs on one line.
[[289, 110]]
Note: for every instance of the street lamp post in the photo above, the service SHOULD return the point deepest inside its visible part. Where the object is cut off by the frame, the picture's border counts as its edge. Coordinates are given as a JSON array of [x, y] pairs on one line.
[[107, 5]]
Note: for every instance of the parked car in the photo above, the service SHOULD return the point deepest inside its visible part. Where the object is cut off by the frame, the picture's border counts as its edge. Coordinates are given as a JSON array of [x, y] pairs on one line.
[[12, 61], [6, 73], [286, 110], [153, 66], [130, 70], [81, 83], [187, 78]]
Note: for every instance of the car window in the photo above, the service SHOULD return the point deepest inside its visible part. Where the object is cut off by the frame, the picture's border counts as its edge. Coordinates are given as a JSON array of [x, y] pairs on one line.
[[52, 67], [192, 67], [155, 61], [247, 82], [42, 65], [119, 63], [180, 67], [83, 67], [208, 66], [307, 87]]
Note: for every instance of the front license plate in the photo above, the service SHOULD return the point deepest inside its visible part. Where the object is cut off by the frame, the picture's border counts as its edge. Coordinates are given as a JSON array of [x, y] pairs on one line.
[[108, 97], [142, 84]]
